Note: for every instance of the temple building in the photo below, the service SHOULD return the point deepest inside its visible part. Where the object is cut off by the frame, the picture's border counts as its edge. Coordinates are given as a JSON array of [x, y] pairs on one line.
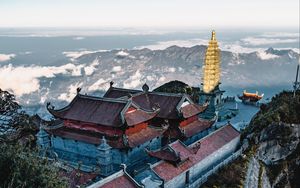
[[250, 98], [178, 111], [181, 165], [211, 80], [100, 133]]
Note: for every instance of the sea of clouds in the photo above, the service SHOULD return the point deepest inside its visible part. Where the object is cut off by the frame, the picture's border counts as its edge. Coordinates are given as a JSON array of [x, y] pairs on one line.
[[24, 80]]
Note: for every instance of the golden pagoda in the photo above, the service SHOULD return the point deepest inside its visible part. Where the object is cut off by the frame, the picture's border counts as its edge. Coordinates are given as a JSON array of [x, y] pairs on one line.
[[211, 67]]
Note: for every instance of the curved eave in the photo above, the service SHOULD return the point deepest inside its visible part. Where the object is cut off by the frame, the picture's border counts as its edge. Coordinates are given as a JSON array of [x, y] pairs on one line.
[[139, 116], [58, 113], [193, 109]]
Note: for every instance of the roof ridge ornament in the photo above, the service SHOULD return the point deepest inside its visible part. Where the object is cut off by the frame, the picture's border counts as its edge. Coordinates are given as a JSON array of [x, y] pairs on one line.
[[111, 83], [213, 35], [49, 106], [78, 90], [145, 88]]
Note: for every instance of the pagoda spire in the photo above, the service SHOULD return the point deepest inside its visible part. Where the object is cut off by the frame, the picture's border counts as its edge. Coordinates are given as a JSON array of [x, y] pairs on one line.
[[211, 67]]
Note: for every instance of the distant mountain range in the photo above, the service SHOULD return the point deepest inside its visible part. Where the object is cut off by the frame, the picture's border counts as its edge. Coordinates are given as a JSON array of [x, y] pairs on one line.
[[132, 68], [93, 71]]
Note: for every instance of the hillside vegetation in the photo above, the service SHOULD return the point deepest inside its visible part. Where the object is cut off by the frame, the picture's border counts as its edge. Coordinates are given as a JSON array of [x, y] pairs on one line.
[[20, 164], [179, 87]]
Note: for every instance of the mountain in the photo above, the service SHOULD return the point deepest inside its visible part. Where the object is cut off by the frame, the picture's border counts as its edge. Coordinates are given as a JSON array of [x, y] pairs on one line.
[[92, 71]]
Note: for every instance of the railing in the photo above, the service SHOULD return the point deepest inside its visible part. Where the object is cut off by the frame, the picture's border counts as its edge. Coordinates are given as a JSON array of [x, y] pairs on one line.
[[203, 178]]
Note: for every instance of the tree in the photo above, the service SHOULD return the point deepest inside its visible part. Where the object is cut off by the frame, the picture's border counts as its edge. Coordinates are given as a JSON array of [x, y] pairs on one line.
[[21, 167], [20, 164], [8, 110]]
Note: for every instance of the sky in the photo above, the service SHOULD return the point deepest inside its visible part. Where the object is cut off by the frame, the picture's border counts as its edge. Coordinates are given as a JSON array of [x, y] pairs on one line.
[[150, 13]]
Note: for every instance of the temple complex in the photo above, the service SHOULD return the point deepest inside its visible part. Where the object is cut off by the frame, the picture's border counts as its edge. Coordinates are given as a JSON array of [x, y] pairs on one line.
[[100, 133], [142, 138]]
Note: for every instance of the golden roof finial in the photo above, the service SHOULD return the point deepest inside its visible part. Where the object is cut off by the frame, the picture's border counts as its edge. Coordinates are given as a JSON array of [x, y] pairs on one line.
[[213, 35]]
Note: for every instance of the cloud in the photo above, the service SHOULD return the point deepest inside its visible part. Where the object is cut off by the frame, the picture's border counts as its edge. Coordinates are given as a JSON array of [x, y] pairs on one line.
[[280, 35], [6, 57], [232, 47], [13, 78], [134, 81], [182, 43], [116, 68], [122, 54], [78, 38], [71, 93], [76, 54], [89, 70], [44, 96], [101, 84], [246, 45], [257, 41], [25, 53], [266, 56], [238, 48]]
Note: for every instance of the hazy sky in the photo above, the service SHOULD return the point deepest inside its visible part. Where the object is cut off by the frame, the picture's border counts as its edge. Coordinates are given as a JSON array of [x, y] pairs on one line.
[[150, 13]]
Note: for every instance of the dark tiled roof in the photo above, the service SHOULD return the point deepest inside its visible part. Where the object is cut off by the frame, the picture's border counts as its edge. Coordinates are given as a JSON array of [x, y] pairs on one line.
[[176, 152], [122, 181], [166, 102], [93, 110], [114, 92], [208, 145], [173, 132], [75, 135], [108, 131], [192, 109], [86, 136], [115, 141], [196, 127], [143, 136], [137, 116]]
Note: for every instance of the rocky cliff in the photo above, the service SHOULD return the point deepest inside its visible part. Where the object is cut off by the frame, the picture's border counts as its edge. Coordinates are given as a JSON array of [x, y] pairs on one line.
[[273, 156]]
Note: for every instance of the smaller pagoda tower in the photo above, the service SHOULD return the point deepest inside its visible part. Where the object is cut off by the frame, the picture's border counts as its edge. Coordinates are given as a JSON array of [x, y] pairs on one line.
[[211, 80], [105, 158], [43, 140]]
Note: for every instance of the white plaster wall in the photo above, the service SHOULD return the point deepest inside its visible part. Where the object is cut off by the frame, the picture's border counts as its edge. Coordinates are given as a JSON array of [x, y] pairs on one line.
[[211, 160], [199, 168], [179, 181]]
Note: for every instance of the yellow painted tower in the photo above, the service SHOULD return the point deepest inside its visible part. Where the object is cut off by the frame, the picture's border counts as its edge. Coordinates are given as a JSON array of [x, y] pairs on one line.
[[211, 67]]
